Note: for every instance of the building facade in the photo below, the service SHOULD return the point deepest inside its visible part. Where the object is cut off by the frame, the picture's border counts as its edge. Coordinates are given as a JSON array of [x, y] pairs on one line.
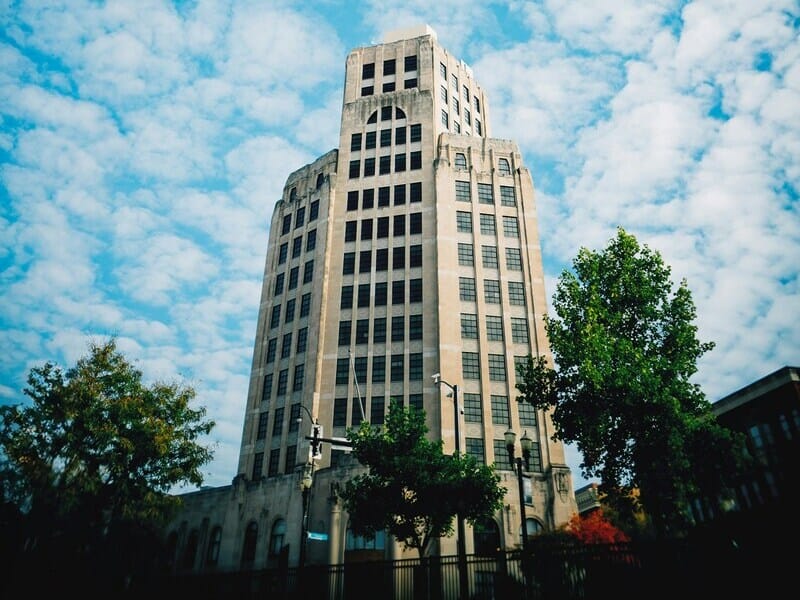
[[411, 250]]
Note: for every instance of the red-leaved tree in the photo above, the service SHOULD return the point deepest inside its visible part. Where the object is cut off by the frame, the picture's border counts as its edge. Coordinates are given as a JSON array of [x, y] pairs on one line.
[[595, 528]]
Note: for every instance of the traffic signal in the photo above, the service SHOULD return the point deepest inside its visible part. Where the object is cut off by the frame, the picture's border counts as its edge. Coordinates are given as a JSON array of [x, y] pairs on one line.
[[316, 442]]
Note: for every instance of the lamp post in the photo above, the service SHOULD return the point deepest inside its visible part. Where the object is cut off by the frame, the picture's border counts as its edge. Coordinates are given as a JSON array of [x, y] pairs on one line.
[[460, 535], [306, 482], [526, 443]]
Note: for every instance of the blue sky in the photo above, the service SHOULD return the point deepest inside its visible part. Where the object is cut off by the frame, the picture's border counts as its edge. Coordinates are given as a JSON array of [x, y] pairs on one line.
[[143, 146]]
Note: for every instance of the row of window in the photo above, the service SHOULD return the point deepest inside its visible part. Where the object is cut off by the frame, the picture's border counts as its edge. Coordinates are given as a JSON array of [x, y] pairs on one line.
[[300, 345], [397, 368], [494, 328], [300, 217], [369, 139], [379, 330], [381, 259], [375, 411], [297, 246], [385, 164], [488, 224], [390, 72], [289, 312], [466, 257], [485, 193], [491, 291], [381, 229], [294, 277], [454, 83], [399, 196], [473, 410], [503, 166], [298, 378], [475, 448]]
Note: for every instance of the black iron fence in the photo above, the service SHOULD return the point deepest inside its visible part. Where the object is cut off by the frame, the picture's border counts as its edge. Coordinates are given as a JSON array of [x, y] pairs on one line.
[[663, 569]]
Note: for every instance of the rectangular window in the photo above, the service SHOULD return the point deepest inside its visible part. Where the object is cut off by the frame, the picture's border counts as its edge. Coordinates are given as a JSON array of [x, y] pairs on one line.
[[349, 263], [415, 290], [286, 345], [291, 456], [389, 86], [313, 211], [352, 200], [415, 401], [415, 327], [400, 194], [443, 94], [399, 163], [278, 284], [455, 105], [294, 274], [415, 192], [488, 226], [415, 133], [445, 119], [397, 367], [510, 227], [368, 90], [415, 366], [272, 348], [369, 167], [410, 83], [366, 229], [379, 368], [379, 330], [475, 449], [398, 328], [266, 390], [489, 255], [370, 140], [376, 410], [297, 246], [347, 297], [464, 221], [466, 289], [415, 223], [290, 306], [274, 458], [277, 424], [469, 326], [416, 160], [399, 225], [262, 426], [398, 292], [519, 330], [410, 63], [383, 227], [386, 138], [283, 253], [466, 94], [527, 414], [513, 259], [368, 70], [383, 196], [494, 328], [300, 217], [389, 67], [362, 330], [363, 295], [275, 316], [299, 378], [507, 196], [367, 198], [500, 412], [470, 365], [485, 195], [385, 166], [305, 305], [491, 291], [463, 191], [501, 459], [308, 271], [386, 113], [340, 412], [400, 136], [399, 257], [415, 256], [355, 142], [465, 256], [287, 224], [311, 240], [478, 129], [355, 169], [473, 413], [497, 367], [342, 371], [365, 261], [443, 71], [302, 340], [360, 368], [380, 292], [345, 328]]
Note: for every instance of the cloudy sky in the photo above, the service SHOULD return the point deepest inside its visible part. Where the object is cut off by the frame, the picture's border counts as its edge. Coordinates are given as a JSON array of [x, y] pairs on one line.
[[143, 145]]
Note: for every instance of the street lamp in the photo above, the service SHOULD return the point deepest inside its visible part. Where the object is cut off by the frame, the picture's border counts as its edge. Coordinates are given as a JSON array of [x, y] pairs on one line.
[[527, 444], [306, 482], [461, 537]]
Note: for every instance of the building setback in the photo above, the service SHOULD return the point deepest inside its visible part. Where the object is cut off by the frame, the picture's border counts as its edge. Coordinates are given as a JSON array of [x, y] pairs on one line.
[[409, 251]]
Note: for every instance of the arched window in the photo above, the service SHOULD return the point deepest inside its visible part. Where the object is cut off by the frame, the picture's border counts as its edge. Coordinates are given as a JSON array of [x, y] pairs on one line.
[[486, 536], [249, 544], [190, 551], [461, 161], [277, 537], [533, 526], [214, 540], [356, 542], [504, 167], [399, 114], [320, 180], [373, 118], [293, 194]]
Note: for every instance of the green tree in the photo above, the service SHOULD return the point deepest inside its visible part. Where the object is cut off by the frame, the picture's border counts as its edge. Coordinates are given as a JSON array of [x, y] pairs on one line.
[[625, 345], [89, 462], [413, 490]]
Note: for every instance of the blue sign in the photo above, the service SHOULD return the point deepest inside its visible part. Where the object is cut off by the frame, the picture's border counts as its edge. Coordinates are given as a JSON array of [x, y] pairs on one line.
[[323, 537]]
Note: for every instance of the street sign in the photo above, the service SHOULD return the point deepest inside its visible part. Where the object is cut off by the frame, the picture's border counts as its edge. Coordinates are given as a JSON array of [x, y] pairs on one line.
[[323, 537]]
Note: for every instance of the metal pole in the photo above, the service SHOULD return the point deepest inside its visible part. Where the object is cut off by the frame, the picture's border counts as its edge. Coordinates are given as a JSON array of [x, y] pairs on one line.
[[518, 461], [304, 529], [461, 548]]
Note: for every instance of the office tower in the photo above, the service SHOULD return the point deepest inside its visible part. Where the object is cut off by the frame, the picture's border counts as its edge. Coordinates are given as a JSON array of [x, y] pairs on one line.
[[411, 250]]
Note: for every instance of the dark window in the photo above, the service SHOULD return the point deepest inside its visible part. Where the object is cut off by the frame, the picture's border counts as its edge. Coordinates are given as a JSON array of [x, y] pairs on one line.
[[410, 83], [313, 211], [349, 263], [415, 290], [399, 257], [366, 229], [305, 305], [368, 200], [376, 409], [383, 196], [297, 246], [379, 366], [368, 70], [389, 86], [369, 167], [399, 163], [507, 196], [491, 291], [497, 367], [416, 160], [345, 327], [266, 391], [389, 67], [380, 293], [398, 328], [286, 345], [342, 371], [386, 137], [415, 192], [386, 113], [470, 365], [369, 140], [352, 200], [463, 221], [278, 284], [415, 135], [355, 142], [261, 432], [340, 412], [291, 456], [494, 328], [383, 227], [400, 136], [367, 90], [298, 379], [302, 340], [273, 470], [272, 347], [469, 326], [415, 327], [465, 256], [473, 413], [347, 297], [398, 292], [382, 258], [308, 271], [379, 330], [350, 229], [397, 367], [277, 423], [283, 253], [294, 273], [527, 414], [415, 256], [513, 259], [500, 414], [519, 330], [300, 218], [461, 161], [466, 288], [489, 256], [290, 306], [275, 316], [475, 449], [516, 293], [463, 191], [385, 165], [362, 331], [400, 194], [311, 240], [410, 63], [363, 295], [287, 223], [415, 366], [399, 225], [415, 223], [365, 261], [503, 166], [355, 170]]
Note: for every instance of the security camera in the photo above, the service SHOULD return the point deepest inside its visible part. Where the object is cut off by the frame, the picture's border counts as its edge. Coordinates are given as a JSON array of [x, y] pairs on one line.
[[436, 377]]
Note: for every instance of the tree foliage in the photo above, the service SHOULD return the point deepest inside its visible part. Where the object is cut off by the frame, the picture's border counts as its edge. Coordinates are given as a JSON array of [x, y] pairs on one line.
[[412, 489], [594, 528], [88, 464], [625, 345]]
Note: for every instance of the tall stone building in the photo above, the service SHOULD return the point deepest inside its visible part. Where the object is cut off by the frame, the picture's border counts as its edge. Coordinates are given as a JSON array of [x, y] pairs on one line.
[[410, 251]]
